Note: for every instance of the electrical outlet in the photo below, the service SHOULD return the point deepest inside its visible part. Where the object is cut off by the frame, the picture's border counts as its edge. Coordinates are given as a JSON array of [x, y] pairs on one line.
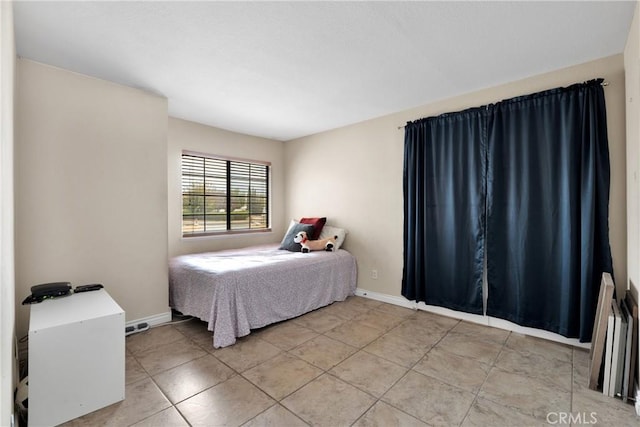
[[374, 274]]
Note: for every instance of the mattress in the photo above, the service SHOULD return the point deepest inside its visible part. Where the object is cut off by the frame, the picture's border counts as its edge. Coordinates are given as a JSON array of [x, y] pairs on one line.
[[242, 289]]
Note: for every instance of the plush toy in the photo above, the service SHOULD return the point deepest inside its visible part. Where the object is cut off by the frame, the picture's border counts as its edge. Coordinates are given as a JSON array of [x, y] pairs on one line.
[[315, 245]]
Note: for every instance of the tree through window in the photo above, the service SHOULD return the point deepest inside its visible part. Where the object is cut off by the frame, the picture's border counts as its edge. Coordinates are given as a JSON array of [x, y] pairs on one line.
[[222, 195]]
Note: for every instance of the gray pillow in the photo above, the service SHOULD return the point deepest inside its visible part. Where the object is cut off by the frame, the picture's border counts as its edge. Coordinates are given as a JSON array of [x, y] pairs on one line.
[[288, 243]]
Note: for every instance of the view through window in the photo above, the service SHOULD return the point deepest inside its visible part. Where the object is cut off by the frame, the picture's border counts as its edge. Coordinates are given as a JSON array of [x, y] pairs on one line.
[[221, 195]]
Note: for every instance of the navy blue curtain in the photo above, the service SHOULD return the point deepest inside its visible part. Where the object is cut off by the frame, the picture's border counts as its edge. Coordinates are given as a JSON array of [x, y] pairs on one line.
[[527, 176], [547, 209], [444, 205]]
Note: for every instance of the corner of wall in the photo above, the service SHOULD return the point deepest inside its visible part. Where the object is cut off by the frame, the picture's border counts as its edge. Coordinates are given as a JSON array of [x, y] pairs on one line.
[[632, 98], [8, 368], [632, 101]]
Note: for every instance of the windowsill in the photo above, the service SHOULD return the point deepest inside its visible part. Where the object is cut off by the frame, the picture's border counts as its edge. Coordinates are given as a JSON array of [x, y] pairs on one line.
[[227, 234]]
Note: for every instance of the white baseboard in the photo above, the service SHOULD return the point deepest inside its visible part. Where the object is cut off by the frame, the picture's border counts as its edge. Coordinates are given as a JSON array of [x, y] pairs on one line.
[[156, 319], [474, 318], [401, 301]]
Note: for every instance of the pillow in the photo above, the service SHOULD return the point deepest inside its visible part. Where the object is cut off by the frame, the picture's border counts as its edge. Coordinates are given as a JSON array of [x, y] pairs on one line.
[[329, 231], [291, 224], [317, 223], [288, 243]]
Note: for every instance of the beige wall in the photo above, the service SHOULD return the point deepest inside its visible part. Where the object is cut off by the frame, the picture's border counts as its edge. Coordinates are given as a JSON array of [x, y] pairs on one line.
[[185, 135], [353, 175], [632, 75], [91, 188], [8, 371]]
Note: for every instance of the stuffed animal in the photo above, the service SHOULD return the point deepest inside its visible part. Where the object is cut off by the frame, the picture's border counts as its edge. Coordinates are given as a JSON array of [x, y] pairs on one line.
[[315, 245]]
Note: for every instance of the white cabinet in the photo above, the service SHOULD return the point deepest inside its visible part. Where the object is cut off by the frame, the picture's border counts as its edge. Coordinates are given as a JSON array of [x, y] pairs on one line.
[[76, 356]]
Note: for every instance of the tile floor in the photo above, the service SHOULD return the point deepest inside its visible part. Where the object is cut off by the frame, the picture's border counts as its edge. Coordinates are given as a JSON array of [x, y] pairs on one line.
[[358, 362]]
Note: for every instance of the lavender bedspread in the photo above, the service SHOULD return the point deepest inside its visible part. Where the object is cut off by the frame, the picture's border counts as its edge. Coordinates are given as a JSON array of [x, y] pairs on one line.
[[243, 289]]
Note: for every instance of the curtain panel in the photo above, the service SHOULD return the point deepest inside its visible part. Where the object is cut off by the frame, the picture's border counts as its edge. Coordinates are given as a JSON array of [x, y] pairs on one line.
[[547, 213], [527, 177], [444, 204]]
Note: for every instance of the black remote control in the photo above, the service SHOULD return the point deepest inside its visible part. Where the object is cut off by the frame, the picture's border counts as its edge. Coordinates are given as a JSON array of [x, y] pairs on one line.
[[87, 288]]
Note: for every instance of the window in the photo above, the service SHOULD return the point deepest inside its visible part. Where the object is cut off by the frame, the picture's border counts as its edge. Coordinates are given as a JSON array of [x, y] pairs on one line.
[[222, 195]]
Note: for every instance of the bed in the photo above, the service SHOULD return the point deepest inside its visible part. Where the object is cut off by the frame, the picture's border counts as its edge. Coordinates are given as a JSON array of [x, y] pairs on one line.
[[242, 289]]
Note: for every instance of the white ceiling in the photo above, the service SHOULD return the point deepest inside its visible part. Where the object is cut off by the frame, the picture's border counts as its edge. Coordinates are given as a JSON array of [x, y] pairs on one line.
[[282, 70]]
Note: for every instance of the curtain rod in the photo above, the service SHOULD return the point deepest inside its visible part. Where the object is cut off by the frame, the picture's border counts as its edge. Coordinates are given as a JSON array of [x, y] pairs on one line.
[[604, 83]]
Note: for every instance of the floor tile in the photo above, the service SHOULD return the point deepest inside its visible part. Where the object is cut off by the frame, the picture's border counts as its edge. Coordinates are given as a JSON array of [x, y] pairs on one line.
[[396, 310], [528, 395], [418, 335], [466, 346], [362, 303], [133, 370], [276, 416], [328, 401], [551, 371], [191, 327], [323, 352], [192, 377], [581, 357], [354, 333], [378, 320], [429, 400], [152, 338], [343, 310], [167, 356], [142, 399], [170, 417], [232, 403], [246, 353], [481, 332], [485, 413], [468, 374], [319, 321], [592, 405], [197, 331], [357, 370], [286, 335], [359, 362], [545, 348], [282, 375], [384, 415], [581, 368], [430, 322], [398, 349]]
